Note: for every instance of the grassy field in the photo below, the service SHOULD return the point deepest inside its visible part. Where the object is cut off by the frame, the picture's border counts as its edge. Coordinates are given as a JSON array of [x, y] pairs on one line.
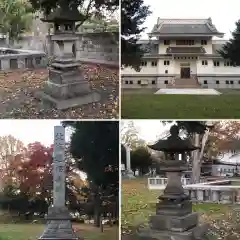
[[142, 106], [138, 203], [33, 231]]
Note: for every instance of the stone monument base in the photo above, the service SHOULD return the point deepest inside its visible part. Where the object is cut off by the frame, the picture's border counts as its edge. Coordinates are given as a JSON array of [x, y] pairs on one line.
[[62, 104], [196, 233], [59, 225], [67, 87], [129, 175]]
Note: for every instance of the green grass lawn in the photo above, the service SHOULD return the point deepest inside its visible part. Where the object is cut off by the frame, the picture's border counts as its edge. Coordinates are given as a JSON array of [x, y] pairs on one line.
[[138, 203], [143, 106], [33, 231]]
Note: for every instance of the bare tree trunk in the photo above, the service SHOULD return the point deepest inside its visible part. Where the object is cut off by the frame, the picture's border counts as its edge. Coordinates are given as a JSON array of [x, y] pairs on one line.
[[195, 162], [198, 156]]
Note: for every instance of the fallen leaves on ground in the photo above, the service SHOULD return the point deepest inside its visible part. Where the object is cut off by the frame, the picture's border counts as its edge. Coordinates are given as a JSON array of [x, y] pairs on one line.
[[17, 90], [137, 206]]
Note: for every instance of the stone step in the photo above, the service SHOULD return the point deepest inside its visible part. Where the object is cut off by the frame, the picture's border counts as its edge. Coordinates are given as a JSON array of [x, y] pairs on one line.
[[184, 83], [183, 86]]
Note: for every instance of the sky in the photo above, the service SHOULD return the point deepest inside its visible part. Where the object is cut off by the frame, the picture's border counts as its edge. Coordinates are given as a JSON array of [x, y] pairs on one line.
[[29, 131], [224, 14], [150, 130]]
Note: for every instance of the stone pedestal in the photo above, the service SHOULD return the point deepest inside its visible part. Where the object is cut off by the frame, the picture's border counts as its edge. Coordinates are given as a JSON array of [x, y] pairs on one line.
[[59, 225], [174, 219], [66, 86]]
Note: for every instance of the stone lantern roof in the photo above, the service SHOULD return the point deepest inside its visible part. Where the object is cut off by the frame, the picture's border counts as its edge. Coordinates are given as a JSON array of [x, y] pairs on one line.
[[173, 144]]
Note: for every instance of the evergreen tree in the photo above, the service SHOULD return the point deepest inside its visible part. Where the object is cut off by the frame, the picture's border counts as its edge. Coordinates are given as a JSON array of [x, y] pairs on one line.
[[133, 15], [231, 49], [95, 147]]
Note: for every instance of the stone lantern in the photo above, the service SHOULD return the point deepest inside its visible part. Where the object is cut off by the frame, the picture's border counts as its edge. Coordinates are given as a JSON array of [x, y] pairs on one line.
[[66, 86], [174, 219]]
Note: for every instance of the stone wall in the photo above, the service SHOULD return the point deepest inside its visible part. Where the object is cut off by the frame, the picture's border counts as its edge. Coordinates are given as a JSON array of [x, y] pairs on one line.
[[11, 59], [98, 47]]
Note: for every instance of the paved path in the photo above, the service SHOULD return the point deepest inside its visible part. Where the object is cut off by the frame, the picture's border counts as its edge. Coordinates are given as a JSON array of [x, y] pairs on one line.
[[188, 91]]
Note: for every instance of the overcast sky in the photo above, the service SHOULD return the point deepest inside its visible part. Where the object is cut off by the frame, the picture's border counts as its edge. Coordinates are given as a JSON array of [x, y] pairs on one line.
[[224, 14], [29, 131], [149, 130]]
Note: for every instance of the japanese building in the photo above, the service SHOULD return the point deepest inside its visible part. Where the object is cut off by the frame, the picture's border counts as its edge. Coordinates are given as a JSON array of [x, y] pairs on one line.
[[183, 53]]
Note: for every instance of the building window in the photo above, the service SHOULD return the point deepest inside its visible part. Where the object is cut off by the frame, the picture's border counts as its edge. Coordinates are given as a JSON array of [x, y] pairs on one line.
[[166, 82], [131, 82], [139, 82], [216, 63], [153, 82], [185, 42], [166, 71], [38, 60], [238, 82], [231, 82], [166, 42], [205, 82], [126, 82], [227, 82], [204, 62], [166, 62], [13, 64], [227, 64], [203, 42], [144, 64], [217, 82], [154, 63]]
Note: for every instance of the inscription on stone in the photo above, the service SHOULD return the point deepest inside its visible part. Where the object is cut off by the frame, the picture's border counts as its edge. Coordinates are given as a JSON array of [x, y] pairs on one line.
[[59, 174]]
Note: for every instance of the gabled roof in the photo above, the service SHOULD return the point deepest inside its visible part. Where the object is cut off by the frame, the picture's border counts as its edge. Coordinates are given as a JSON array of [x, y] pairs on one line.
[[185, 27]]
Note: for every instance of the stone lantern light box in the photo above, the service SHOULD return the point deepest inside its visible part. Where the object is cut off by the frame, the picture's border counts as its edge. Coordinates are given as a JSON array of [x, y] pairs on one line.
[[174, 218]]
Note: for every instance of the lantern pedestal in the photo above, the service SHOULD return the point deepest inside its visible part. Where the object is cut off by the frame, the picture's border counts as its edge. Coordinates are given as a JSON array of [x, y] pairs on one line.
[[174, 219]]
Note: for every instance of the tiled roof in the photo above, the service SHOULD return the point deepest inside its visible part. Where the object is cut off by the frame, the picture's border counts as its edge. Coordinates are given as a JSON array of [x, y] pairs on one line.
[[183, 26]]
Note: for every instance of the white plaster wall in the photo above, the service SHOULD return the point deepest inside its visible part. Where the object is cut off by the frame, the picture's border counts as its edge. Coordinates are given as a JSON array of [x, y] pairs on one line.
[[149, 69], [162, 48], [211, 69], [162, 67], [204, 69]]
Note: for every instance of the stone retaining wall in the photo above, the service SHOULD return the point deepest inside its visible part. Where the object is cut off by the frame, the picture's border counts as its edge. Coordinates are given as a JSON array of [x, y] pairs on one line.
[[21, 59], [213, 192], [95, 47]]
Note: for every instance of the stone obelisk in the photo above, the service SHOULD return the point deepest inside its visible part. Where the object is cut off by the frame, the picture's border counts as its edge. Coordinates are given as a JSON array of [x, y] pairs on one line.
[[129, 172], [59, 224]]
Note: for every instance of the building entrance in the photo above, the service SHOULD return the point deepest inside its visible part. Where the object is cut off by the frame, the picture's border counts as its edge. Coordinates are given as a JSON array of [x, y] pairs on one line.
[[185, 72]]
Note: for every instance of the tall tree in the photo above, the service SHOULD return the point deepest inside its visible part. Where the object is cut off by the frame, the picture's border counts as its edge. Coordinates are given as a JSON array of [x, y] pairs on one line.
[[231, 49], [9, 147], [97, 144], [133, 15], [141, 159], [15, 18]]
